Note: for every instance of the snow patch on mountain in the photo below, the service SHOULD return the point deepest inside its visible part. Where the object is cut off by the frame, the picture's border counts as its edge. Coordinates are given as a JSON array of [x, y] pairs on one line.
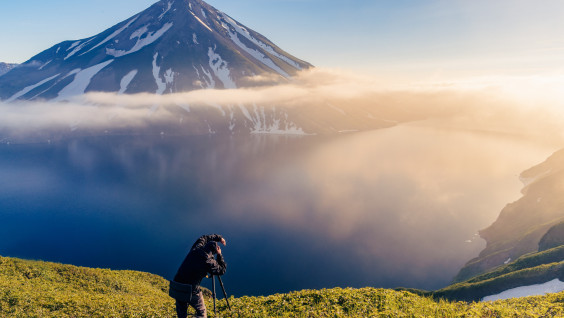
[[161, 86], [244, 32], [261, 123], [139, 32], [71, 73], [72, 45], [44, 64], [220, 69], [245, 112], [553, 286], [30, 88], [169, 76], [141, 42], [210, 82], [78, 48], [125, 81], [81, 81], [169, 5], [113, 35], [202, 22], [255, 53]]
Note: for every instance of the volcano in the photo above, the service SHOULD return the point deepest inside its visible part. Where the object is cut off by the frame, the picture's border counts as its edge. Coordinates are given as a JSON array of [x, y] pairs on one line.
[[173, 46]]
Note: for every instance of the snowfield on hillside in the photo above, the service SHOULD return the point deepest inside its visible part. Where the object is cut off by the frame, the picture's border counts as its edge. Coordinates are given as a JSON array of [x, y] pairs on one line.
[[553, 286]]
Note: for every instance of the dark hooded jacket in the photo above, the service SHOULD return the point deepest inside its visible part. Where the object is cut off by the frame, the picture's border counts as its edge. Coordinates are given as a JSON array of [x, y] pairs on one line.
[[200, 261]]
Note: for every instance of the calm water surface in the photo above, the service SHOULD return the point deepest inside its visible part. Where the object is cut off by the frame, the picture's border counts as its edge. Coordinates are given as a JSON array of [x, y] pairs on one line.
[[388, 208]]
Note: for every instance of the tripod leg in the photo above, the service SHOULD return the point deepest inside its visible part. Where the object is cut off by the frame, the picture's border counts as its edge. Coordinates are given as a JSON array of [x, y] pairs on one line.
[[214, 296], [224, 293]]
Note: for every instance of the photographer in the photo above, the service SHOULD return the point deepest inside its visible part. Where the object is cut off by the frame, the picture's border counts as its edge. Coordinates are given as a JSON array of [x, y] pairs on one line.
[[198, 263]]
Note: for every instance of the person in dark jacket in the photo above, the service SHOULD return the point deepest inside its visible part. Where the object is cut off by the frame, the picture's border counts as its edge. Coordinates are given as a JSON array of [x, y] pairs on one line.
[[198, 263]]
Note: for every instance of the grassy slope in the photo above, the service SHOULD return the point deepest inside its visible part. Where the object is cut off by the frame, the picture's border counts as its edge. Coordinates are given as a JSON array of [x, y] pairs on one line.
[[530, 269], [41, 289]]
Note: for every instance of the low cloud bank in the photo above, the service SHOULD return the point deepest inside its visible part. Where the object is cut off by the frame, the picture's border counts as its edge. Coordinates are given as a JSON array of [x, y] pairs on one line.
[[527, 106]]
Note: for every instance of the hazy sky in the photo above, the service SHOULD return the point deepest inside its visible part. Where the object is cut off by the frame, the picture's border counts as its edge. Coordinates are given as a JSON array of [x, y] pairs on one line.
[[426, 39]]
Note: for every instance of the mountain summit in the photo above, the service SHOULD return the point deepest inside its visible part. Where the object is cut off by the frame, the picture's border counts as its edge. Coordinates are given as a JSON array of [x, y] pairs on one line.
[[173, 46], [179, 46]]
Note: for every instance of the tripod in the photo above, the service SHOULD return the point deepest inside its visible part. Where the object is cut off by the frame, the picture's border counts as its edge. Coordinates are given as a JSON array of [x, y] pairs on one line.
[[214, 295]]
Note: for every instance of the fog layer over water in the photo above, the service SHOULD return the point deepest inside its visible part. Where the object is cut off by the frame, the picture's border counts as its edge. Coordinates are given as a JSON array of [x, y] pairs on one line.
[[387, 208]]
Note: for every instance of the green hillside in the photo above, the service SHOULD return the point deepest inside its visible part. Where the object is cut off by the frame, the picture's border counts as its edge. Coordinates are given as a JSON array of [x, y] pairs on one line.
[[42, 289], [530, 269], [553, 238]]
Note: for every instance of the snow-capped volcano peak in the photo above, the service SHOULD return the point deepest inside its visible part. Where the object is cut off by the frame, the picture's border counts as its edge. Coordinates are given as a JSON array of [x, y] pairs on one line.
[[173, 46]]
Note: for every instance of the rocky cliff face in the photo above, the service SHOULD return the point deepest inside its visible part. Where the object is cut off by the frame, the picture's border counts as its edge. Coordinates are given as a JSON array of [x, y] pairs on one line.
[[522, 224]]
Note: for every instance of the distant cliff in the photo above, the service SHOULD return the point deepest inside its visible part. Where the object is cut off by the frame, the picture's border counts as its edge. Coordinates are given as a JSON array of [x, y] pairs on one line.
[[522, 224]]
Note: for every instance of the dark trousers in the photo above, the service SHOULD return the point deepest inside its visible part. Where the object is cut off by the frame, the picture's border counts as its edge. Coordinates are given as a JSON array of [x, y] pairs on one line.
[[197, 302]]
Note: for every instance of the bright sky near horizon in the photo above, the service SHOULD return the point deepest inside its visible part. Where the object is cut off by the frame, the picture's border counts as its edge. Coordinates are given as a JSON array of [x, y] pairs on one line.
[[423, 38]]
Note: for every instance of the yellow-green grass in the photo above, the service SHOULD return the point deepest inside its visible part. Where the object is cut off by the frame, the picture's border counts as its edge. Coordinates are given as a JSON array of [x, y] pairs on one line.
[[43, 289]]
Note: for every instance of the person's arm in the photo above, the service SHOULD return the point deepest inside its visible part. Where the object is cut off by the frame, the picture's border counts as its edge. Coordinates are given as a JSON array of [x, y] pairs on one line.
[[217, 266], [204, 239]]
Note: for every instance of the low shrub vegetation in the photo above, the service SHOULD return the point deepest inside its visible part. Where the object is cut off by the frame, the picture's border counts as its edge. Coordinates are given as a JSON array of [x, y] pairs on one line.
[[42, 289], [530, 269], [530, 260]]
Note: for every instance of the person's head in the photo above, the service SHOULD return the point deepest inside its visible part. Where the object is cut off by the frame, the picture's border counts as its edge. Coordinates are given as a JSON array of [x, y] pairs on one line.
[[211, 247]]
